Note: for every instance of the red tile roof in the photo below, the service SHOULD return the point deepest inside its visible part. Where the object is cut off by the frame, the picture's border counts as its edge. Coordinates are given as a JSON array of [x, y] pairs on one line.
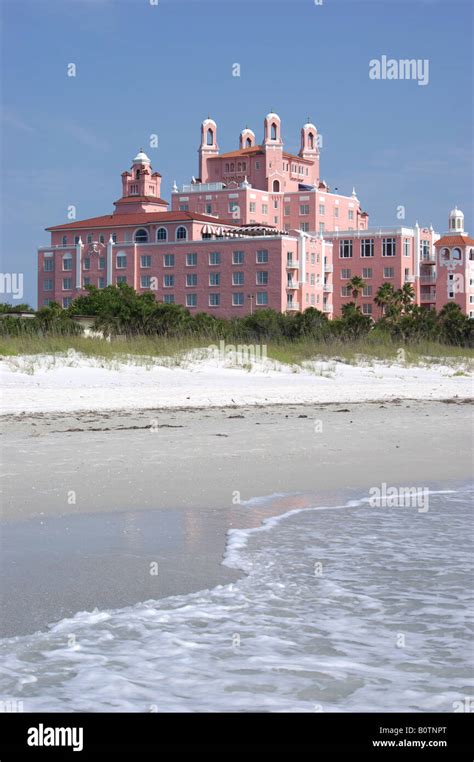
[[255, 151], [455, 240], [138, 218], [148, 199]]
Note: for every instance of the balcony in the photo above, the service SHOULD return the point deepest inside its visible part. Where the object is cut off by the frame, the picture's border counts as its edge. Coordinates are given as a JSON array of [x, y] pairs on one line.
[[328, 268], [328, 287], [409, 278], [428, 279], [201, 188], [428, 259], [292, 306], [292, 264], [292, 284], [327, 307], [428, 296]]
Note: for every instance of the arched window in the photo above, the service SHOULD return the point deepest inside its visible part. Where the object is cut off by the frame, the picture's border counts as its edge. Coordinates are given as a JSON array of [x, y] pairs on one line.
[[248, 143], [274, 131], [458, 222], [232, 167], [181, 233], [137, 174], [239, 166], [161, 234], [276, 186], [141, 236], [311, 140], [227, 167], [244, 165], [210, 137], [64, 240], [456, 255], [445, 253]]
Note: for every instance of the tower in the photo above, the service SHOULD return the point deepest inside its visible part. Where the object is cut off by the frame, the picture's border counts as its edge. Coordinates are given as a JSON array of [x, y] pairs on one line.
[[273, 147], [456, 221], [141, 187], [208, 147], [246, 139]]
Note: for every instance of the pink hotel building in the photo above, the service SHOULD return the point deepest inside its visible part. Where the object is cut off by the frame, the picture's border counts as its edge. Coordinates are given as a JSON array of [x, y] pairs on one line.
[[258, 228]]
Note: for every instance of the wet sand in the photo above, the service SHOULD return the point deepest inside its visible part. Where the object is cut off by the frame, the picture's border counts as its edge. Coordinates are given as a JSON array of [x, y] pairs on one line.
[[96, 504]]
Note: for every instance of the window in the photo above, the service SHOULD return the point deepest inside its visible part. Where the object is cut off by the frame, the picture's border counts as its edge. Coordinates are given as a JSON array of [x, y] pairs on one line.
[[121, 279], [345, 274], [89, 238], [214, 258], [214, 300], [336, 211], [367, 291], [48, 284], [273, 131], [87, 282], [168, 298], [209, 137], [168, 281], [321, 227], [388, 272], [262, 256], [191, 300], [312, 279], [304, 226], [425, 249], [237, 257], [101, 282], [181, 233], [161, 234], [141, 236], [264, 208], [367, 309], [275, 203], [67, 301], [406, 247], [227, 167], [304, 208], [101, 263], [262, 298], [287, 210], [237, 299], [252, 206], [114, 237], [456, 255], [121, 261], [238, 279], [67, 284], [145, 260], [64, 240], [257, 165], [101, 238], [350, 214], [313, 258], [367, 247], [191, 260], [191, 280], [168, 260], [276, 186], [87, 263], [234, 208], [48, 265], [145, 281], [67, 262], [346, 291], [366, 273], [214, 279], [134, 188], [322, 209], [345, 248], [262, 278], [184, 207], [388, 247], [208, 208]]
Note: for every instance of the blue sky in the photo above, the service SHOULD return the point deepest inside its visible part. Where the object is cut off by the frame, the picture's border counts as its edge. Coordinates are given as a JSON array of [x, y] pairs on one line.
[[145, 69]]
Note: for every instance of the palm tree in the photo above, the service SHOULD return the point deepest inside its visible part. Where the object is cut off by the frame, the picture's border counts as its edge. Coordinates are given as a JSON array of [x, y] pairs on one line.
[[356, 284], [384, 296], [407, 296]]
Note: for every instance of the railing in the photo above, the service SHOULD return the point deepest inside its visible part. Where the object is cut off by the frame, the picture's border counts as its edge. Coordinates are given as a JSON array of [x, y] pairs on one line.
[[428, 297], [292, 284], [328, 268], [328, 287], [292, 264], [292, 306], [201, 188], [409, 278], [427, 278], [327, 307], [428, 259]]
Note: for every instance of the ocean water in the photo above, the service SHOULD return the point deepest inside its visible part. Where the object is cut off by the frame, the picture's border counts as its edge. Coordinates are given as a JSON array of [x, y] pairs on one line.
[[341, 608]]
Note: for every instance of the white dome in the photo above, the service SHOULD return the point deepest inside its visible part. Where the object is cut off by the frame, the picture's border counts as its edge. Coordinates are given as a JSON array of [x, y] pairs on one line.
[[456, 220], [141, 158], [247, 129], [272, 116], [209, 121], [309, 125]]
